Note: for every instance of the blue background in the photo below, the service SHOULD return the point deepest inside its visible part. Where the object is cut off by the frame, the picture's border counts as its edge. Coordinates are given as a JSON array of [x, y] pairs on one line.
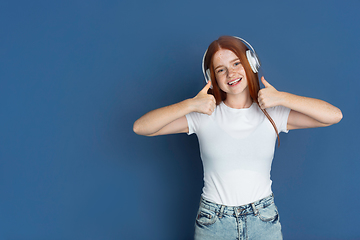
[[75, 75]]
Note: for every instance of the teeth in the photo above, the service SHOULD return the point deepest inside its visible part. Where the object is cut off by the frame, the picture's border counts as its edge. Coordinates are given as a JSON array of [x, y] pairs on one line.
[[234, 82]]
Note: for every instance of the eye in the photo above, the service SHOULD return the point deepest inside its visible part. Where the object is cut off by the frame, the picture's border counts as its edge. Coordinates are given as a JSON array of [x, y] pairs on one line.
[[220, 70], [237, 63]]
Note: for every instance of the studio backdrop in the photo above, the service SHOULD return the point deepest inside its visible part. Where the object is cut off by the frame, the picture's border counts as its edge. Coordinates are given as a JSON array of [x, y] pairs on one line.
[[75, 75]]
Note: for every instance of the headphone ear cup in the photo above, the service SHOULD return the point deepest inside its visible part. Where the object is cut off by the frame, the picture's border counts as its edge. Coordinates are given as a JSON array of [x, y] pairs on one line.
[[208, 78], [253, 61]]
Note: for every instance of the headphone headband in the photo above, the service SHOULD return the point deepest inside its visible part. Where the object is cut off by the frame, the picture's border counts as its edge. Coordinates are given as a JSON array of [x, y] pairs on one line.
[[250, 55]]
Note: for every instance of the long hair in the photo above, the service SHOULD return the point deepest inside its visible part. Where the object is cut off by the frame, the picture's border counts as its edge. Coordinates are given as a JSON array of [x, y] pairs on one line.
[[239, 48]]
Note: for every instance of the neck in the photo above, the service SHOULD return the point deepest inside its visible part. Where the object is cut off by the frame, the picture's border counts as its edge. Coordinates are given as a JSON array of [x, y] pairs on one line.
[[238, 101]]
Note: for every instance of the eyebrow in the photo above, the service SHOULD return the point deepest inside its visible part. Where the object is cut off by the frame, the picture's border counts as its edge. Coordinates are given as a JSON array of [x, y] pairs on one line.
[[230, 61]]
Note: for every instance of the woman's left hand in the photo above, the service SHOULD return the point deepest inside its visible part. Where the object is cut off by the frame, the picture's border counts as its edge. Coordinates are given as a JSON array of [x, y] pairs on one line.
[[268, 96]]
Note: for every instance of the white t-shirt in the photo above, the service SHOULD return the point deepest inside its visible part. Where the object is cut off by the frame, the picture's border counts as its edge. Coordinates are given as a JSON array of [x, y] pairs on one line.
[[237, 147]]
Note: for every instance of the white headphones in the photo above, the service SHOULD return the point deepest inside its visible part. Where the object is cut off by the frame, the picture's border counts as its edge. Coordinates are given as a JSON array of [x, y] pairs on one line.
[[250, 55]]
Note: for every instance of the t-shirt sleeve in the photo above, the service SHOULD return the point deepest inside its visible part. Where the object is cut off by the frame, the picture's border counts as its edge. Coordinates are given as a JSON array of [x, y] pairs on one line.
[[280, 116], [193, 120]]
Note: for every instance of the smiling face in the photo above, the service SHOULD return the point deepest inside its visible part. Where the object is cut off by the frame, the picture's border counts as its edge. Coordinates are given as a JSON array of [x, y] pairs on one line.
[[229, 72]]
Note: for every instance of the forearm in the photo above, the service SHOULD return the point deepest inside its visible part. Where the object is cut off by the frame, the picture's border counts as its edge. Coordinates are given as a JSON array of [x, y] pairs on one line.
[[156, 119], [317, 109]]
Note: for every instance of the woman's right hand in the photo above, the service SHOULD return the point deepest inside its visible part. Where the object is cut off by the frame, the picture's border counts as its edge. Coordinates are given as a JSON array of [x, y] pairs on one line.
[[204, 102], [171, 119]]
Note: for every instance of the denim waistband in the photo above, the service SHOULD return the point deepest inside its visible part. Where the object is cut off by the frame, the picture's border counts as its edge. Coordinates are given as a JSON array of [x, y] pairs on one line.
[[251, 208]]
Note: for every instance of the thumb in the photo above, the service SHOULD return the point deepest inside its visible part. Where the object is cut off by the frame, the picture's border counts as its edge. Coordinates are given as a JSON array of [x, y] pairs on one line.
[[206, 88], [266, 84]]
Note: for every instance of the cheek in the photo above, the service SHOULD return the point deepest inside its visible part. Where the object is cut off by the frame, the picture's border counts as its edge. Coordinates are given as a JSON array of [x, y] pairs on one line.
[[220, 80], [221, 83], [222, 86]]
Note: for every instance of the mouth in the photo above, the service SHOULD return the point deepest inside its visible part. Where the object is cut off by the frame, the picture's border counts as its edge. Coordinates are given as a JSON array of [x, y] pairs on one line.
[[234, 82]]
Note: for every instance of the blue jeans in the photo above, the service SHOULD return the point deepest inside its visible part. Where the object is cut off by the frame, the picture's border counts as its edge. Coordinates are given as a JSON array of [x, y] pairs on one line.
[[258, 220]]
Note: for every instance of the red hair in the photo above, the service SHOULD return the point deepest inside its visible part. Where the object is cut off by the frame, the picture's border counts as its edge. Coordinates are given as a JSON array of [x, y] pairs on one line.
[[239, 48]]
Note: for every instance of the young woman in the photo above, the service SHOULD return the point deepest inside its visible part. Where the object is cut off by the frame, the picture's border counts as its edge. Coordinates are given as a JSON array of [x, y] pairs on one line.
[[237, 125]]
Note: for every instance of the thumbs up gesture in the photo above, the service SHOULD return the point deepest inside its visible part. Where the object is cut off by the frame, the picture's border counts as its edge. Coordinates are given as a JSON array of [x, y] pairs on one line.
[[268, 96], [204, 102]]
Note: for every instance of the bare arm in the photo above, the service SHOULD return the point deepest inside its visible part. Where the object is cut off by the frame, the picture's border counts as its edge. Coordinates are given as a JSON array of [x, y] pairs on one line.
[[156, 120], [305, 112], [171, 119]]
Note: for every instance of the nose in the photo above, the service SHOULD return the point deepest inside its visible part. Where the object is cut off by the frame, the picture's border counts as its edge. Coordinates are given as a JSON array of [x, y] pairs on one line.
[[231, 72]]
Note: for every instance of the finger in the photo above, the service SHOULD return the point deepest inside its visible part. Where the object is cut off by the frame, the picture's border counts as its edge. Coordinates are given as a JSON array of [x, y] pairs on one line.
[[261, 104], [211, 110], [207, 86], [213, 100], [266, 84]]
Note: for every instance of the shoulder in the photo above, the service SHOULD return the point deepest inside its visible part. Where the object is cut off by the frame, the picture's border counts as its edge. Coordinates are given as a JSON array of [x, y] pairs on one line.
[[280, 115], [197, 120]]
